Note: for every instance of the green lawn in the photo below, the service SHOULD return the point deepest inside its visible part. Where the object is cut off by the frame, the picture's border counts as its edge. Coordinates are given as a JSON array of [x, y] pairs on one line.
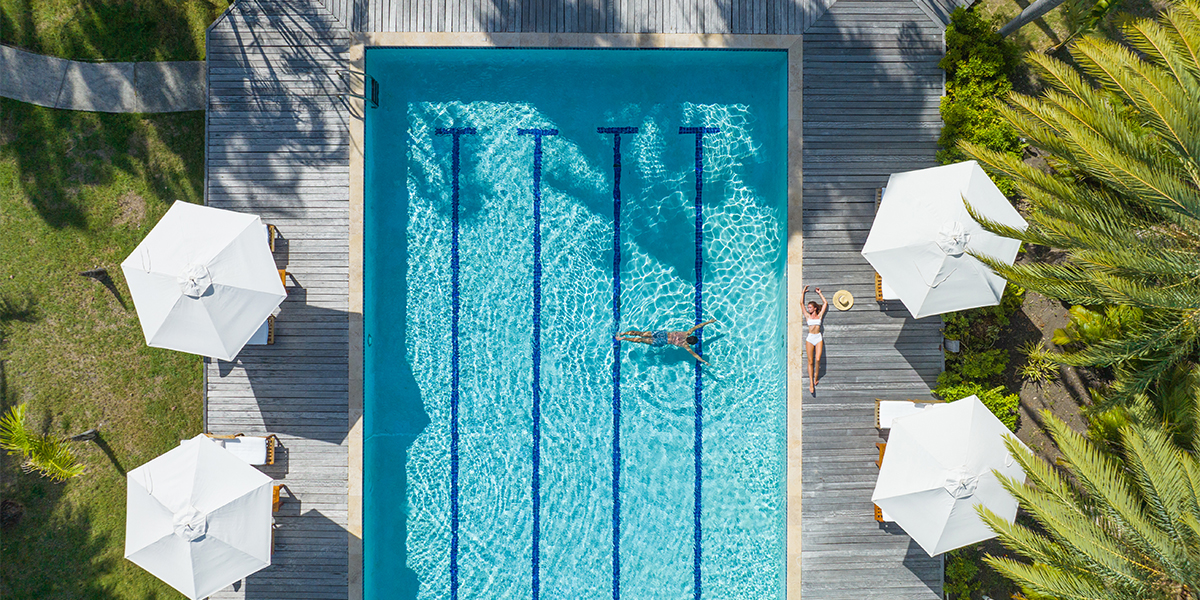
[[115, 30], [79, 190]]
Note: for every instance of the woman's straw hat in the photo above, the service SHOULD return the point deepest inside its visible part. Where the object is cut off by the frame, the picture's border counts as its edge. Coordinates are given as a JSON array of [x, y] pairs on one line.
[[843, 300]]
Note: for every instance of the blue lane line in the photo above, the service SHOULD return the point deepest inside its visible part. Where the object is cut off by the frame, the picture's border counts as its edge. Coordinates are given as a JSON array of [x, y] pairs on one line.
[[454, 132], [698, 444], [537, 134], [616, 368]]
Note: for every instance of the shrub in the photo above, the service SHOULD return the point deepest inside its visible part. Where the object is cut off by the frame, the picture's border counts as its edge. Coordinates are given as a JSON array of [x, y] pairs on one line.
[[1003, 405], [1090, 326], [962, 574], [1040, 365], [979, 328], [979, 65], [47, 455]]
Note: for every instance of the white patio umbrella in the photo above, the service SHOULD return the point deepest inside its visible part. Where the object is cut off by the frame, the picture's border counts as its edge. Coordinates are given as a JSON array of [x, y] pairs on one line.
[[937, 466], [198, 518], [203, 280], [922, 231]]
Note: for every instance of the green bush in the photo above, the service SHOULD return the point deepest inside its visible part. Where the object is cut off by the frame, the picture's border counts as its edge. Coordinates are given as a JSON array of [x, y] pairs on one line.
[[979, 328], [962, 575], [979, 66], [1091, 326], [984, 365], [1003, 405], [1040, 363]]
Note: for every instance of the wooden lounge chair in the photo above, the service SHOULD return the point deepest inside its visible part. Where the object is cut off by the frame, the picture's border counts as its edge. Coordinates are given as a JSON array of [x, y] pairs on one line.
[[265, 335], [255, 450], [276, 502], [886, 410], [882, 446], [879, 297], [272, 233]]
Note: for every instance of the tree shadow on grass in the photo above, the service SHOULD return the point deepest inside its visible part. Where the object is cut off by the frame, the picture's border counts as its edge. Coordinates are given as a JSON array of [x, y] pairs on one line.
[[48, 555], [120, 30], [17, 308], [64, 158]]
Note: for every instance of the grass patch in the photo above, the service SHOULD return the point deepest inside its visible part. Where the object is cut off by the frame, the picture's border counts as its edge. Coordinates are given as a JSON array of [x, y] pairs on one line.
[[80, 190], [1053, 28], [114, 30]]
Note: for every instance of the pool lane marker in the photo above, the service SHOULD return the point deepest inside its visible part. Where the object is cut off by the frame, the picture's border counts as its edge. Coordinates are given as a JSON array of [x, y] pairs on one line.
[[455, 133], [616, 368], [698, 444], [537, 134]]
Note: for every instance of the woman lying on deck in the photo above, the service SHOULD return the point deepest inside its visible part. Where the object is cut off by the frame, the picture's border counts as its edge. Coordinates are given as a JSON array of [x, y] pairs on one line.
[[683, 339], [814, 344]]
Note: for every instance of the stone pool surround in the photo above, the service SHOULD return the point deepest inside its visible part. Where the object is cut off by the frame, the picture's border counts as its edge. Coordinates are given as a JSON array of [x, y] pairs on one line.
[[796, 328]]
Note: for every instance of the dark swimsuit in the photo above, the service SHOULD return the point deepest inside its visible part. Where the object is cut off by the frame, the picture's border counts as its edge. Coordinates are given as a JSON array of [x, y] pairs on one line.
[[660, 338]]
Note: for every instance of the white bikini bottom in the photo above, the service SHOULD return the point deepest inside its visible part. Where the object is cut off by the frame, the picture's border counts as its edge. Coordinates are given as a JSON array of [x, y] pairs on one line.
[[814, 338]]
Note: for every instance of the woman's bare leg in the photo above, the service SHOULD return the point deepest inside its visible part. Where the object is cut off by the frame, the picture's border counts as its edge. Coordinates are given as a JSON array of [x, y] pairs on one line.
[[809, 350], [816, 368]]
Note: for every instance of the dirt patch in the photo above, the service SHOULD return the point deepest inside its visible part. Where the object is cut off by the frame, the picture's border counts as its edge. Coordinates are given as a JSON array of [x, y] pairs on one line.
[[1064, 397], [131, 209]]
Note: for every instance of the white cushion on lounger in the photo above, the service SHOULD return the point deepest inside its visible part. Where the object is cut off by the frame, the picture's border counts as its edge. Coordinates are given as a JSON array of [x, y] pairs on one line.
[[894, 409], [253, 450]]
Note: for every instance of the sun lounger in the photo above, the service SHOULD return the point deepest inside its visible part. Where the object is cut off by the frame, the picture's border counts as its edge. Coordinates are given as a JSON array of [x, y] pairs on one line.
[[886, 410], [882, 291], [252, 449], [265, 334], [879, 514], [272, 233]]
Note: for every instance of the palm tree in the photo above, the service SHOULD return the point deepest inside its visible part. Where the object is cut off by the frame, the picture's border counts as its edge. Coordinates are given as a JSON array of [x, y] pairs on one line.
[[47, 455], [1123, 138], [1108, 528]]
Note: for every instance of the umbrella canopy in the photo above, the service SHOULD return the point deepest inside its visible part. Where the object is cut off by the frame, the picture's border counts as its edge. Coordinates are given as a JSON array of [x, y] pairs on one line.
[[203, 281], [922, 233], [937, 466], [198, 518]]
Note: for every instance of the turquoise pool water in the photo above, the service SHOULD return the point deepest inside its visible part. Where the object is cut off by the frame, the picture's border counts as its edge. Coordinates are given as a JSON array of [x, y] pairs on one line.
[[521, 206]]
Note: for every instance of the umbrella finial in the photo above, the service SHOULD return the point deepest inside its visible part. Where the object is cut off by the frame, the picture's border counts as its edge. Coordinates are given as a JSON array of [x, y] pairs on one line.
[[195, 281], [961, 483], [190, 524], [952, 238]]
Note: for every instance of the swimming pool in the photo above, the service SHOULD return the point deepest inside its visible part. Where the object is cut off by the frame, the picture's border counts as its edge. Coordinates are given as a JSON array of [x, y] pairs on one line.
[[520, 207]]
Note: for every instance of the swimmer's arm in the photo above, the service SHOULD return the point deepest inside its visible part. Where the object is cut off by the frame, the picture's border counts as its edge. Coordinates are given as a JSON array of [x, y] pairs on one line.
[[708, 322], [693, 353]]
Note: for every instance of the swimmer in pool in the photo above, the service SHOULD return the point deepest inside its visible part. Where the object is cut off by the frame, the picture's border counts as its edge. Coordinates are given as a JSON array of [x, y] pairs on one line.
[[683, 339], [814, 344]]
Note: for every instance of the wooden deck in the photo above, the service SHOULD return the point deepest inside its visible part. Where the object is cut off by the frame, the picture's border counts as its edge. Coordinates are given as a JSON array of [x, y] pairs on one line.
[[277, 146], [871, 89]]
